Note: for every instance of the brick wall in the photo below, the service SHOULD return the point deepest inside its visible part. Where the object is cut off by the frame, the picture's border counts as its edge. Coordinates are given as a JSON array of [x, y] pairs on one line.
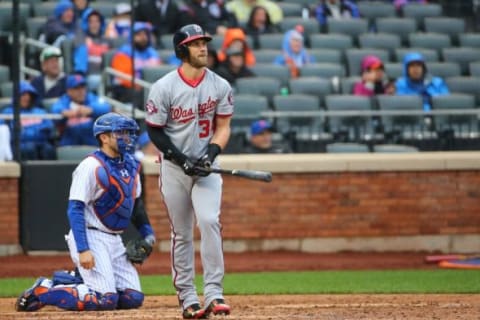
[[346, 204], [9, 211], [367, 202]]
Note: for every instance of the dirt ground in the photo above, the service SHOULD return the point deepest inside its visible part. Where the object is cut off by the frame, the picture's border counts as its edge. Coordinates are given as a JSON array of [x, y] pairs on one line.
[[328, 307]]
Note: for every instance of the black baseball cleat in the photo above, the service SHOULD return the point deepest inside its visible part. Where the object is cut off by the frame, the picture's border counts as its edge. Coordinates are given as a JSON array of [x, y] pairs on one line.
[[194, 311], [28, 300], [218, 307]]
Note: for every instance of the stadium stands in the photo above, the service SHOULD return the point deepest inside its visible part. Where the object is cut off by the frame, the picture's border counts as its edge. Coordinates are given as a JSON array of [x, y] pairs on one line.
[[448, 43]]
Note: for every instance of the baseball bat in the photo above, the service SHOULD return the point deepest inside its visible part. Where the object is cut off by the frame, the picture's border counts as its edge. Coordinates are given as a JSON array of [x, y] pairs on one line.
[[264, 176]]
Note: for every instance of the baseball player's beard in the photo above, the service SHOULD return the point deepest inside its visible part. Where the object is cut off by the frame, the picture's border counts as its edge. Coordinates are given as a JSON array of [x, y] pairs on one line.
[[198, 62]]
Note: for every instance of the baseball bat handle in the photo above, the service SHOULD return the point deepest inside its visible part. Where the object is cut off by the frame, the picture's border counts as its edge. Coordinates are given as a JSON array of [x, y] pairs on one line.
[[264, 176]]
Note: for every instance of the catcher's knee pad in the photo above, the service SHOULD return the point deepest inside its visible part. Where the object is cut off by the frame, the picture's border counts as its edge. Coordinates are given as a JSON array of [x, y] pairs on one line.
[[130, 299], [108, 301]]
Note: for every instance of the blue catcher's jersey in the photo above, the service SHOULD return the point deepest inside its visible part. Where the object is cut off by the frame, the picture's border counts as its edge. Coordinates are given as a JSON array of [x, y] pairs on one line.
[[115, 205]]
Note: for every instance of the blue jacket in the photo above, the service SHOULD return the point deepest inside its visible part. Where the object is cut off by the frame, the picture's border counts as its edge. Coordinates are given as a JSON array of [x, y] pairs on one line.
[[429, 86], [55, 28], [90, 47], [79, 130], [322, 12], [299, 59], [33, 129]]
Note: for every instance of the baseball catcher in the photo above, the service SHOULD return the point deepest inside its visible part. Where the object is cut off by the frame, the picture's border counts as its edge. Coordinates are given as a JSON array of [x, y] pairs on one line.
[[105, 197]]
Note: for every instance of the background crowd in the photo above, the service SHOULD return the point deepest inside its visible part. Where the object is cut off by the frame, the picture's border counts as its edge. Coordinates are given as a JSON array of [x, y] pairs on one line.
[[251, 39]]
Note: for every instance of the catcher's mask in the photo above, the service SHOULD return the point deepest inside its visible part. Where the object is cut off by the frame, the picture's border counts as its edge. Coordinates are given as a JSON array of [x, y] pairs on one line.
[[124, 129]]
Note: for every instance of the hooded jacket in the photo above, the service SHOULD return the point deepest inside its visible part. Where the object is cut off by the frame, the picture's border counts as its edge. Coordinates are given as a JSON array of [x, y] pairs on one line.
[[33, 129], [291, 59], [427, 87], [90, 47], [231, 35], [55, 28], [364, 88]]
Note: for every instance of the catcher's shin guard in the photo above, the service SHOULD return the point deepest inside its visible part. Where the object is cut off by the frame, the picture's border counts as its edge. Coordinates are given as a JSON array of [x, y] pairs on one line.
[[130, 299], [29, 300], [108, 301], [68, 298]]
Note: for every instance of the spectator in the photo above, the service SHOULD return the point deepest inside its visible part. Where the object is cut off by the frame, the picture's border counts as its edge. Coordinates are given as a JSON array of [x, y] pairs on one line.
[[211, 15], [335, 9], [261, 139], [61, 25], [259, 23], [294, 55], [5, 147], [235, 38], [119, 25], [374, 80], [90, 45], [163, 15], [212, 62], [400, 3], [79, 8], [51, 83], [416, 80], [145, 56], [234, 67], [37, 134], [79, 109], [242, 8]]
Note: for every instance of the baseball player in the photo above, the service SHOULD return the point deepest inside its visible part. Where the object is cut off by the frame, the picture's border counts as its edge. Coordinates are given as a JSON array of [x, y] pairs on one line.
[[188, 120], [104, 198]]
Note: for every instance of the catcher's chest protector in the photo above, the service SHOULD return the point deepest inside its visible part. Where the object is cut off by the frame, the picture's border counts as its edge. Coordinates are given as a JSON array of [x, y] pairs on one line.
[[115, 206]]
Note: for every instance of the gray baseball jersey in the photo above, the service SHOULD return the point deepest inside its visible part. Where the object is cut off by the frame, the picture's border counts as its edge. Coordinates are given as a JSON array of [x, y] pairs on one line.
[[187, 113]]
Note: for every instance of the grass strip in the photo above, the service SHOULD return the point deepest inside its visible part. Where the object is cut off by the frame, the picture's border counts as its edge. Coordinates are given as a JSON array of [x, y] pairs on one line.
[[311, 282]]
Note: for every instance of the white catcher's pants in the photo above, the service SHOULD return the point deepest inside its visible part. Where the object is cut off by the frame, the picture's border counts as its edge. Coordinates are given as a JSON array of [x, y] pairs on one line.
[[112, 270]]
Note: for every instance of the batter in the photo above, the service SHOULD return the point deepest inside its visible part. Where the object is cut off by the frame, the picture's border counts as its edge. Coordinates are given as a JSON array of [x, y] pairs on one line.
[[104, 198], [188, 120]]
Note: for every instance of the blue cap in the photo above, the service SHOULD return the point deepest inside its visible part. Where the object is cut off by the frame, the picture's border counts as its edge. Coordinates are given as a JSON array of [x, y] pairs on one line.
[[75, 80], [61, 7], [260, 126]]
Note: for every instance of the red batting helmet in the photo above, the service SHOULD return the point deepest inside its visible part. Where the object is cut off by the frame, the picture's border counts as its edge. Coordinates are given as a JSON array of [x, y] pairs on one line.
[[185, 35]]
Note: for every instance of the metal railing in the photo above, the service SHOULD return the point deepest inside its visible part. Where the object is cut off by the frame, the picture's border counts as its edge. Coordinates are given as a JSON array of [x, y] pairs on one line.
[[108, 73]]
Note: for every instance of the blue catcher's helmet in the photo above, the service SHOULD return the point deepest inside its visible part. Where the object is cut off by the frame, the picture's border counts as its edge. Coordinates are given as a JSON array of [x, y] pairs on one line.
[[125, 128]]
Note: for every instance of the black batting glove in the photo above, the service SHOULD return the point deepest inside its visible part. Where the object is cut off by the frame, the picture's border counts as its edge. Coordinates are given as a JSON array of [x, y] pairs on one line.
[[188, 168], [203, 165], [207, 159]]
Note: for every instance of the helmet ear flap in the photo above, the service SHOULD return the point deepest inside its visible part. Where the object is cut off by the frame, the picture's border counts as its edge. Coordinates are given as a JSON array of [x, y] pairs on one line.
[[181, 51]]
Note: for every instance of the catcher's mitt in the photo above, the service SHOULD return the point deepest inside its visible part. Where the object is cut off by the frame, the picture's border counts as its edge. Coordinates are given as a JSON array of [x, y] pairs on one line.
[[138, 250]]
